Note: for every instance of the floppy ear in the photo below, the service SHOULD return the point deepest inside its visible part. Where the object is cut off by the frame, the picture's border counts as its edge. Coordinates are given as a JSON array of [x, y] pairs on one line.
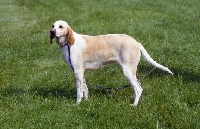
[[51, 40], [70, 36]]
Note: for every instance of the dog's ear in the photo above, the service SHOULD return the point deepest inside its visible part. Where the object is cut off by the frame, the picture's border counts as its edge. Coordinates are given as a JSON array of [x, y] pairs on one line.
[[70, 36], [51, 40]]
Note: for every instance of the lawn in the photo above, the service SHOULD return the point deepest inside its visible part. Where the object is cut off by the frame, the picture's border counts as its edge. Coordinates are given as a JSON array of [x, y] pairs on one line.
[[37, 89]]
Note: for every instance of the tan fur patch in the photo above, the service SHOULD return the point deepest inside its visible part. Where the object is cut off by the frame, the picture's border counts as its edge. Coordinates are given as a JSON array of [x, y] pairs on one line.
[[70, 37]]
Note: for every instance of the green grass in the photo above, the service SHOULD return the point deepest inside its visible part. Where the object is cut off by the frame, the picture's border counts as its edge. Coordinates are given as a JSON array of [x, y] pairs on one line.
[[37, 89]]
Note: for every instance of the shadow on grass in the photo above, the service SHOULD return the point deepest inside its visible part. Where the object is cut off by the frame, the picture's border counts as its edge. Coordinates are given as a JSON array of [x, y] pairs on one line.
[[62, 92], [184, 74], [187, 76], [55, 92], [48, 92], [41, 91], [69, 93]]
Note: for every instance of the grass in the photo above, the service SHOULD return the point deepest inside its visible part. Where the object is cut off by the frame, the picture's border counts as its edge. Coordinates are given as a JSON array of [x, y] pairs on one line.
[[37, 89]]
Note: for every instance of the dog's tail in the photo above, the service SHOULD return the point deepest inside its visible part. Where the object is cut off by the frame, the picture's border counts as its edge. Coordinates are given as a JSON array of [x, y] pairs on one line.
[[148, 58]]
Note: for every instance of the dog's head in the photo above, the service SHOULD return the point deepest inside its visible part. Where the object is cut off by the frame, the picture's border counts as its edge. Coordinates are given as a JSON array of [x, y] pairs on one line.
[[60, 29]]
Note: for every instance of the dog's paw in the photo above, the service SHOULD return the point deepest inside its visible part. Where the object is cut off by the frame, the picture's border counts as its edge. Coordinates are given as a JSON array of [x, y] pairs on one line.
[[76, 104], [133, 105]]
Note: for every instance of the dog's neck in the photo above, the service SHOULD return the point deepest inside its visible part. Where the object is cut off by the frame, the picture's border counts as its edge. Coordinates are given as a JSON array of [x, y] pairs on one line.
[[61, 41]]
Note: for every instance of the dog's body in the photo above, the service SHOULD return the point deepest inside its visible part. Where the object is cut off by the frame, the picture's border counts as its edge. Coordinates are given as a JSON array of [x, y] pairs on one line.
[[83, 52]]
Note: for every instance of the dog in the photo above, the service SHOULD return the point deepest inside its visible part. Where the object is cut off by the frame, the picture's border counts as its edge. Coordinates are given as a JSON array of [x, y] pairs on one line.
[[83, 52]]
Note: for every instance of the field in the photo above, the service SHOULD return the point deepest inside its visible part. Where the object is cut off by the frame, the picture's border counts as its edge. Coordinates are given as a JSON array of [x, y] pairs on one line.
[[37, 89]]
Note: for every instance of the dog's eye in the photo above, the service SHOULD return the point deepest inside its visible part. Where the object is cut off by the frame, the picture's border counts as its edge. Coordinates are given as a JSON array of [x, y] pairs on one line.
[[60, 26], [53, 26]]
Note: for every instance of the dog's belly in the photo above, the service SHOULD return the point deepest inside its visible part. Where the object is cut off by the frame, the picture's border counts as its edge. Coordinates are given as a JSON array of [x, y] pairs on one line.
[[92, 65]]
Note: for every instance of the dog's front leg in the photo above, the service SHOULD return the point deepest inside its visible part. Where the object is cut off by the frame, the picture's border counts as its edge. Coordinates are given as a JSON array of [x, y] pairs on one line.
[[79, 86], [79, 89]]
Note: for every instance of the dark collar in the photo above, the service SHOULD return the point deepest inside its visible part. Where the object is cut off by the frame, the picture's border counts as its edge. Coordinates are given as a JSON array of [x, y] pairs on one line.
[[69, 58]]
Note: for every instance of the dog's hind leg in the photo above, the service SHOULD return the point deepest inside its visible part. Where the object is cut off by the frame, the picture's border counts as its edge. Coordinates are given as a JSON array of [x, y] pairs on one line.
[[131, 76], [85, 89]]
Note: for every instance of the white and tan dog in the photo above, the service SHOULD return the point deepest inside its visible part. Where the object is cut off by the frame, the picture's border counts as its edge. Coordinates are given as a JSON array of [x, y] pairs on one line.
[[82, 52]]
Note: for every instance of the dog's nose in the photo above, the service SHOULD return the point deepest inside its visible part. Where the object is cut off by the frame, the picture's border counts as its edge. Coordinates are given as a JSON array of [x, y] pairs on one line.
[[53, 31]]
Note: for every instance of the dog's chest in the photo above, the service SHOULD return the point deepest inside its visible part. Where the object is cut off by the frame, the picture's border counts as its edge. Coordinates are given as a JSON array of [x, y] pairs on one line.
[[65, 54]]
